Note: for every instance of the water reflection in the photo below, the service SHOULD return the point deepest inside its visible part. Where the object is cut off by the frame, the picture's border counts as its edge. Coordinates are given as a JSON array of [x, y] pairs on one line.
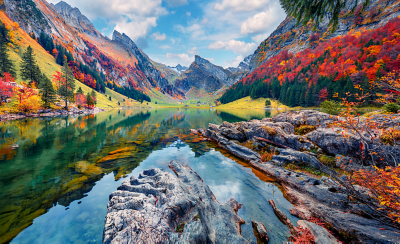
[[65, 168]]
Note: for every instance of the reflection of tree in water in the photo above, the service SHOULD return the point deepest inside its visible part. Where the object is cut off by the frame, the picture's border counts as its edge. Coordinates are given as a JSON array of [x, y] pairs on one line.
[[61, 159]]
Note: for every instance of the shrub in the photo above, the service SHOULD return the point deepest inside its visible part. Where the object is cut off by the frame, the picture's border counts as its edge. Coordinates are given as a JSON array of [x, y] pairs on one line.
[[304, 129], [390, 136], [266, 157], [328, 160], [391, 107], [270, 130], [267, 103], [330, 107], [31, 104]]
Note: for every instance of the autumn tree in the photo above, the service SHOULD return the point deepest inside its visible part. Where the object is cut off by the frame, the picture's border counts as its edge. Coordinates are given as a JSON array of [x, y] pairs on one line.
[[47, 92], [6, 65], [29, 69], [65, 84], [6, 90]]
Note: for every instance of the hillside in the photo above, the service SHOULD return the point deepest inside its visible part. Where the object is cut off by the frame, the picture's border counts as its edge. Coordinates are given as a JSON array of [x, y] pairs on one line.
[[330, 68], [21, 40], [296, 39], [99, 62]]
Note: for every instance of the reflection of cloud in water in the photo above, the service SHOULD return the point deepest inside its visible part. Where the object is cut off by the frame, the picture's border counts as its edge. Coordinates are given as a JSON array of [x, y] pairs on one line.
[[225, 192]]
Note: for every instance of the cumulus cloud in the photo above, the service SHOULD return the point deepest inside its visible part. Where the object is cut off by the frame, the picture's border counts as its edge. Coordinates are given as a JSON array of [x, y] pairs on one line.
[[134, 18], [158, 36], [238, 47], [240, 5], [262, 22], [136, 30], [188, 13]]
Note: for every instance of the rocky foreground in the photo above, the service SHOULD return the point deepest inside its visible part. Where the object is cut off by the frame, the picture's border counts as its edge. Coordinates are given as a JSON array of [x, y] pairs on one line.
[[313, 197], [159, 207]]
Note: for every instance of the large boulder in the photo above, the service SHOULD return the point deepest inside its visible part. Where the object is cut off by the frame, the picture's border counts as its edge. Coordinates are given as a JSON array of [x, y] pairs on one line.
[[159, 207]]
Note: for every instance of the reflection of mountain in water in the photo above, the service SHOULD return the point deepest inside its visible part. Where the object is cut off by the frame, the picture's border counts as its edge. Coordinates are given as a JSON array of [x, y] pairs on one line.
[[59, 160]]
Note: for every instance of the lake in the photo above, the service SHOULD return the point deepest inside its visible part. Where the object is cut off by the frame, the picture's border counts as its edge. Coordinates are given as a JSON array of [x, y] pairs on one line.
[[55, 185]]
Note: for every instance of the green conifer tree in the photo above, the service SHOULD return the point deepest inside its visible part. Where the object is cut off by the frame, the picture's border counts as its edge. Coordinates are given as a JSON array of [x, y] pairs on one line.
[[94, 97], [6, 65], [67, 87], [47, 92], [29, 69]]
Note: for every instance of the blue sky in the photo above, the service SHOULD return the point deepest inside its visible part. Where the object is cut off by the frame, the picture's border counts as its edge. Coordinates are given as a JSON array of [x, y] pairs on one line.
[[173, 31]]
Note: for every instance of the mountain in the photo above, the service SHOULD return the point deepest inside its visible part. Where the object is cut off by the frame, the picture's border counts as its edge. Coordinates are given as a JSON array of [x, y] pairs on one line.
[[179, 68], [202, 74], [296, 39], [300, 67], [118, 63], [243, 66]]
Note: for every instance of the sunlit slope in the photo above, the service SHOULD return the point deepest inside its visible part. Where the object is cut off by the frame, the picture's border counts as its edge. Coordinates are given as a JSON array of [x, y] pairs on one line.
[[21, 40], [247, 102]]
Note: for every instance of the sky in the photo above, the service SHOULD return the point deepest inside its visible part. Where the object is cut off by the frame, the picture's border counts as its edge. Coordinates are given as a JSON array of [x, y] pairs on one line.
[[174, 31]]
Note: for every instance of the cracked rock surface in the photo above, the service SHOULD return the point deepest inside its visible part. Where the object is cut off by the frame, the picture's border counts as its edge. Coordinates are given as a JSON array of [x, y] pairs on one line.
[[160, 207]]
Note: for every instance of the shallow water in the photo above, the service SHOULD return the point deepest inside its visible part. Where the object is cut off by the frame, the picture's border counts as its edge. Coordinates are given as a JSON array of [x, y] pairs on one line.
[[55, 185]]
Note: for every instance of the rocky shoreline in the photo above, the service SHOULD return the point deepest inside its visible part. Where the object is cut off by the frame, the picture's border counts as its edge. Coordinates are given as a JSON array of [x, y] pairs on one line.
[[159, 207], [50, 113], [313, 197]]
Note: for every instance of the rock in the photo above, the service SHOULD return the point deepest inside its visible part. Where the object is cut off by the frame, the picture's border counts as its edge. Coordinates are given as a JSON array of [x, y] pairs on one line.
[[236, 149], [260, 232], [292, 156], [159, 207], [305, 117], [321, 235]]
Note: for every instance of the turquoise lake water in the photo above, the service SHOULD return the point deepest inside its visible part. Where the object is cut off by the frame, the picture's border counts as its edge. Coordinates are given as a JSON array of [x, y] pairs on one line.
[[55, 186]]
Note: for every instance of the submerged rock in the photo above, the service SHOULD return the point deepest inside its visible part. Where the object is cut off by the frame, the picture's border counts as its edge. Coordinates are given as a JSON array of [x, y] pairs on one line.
[[159, 207]]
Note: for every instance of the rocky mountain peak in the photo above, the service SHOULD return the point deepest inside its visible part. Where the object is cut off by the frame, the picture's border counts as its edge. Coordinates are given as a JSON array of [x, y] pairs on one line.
[[75, 18]]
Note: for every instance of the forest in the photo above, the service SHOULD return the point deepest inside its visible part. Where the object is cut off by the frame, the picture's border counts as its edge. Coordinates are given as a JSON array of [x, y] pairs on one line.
[[327, 70]]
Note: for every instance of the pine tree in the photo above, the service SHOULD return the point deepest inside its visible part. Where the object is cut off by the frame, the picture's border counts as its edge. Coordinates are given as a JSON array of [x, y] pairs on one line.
[[29, 68], [67, 86], [6, 65], [94, 98], [89, 100], [80, 91], [47, 92]]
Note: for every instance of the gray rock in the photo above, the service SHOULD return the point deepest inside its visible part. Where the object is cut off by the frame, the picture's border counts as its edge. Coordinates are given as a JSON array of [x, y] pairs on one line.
[[321, 235], [150, 208]]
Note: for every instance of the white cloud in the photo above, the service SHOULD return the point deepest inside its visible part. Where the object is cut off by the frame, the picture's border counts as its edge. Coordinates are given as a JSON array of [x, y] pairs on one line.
[[193, 51], [238, 47], [241, 5], [134, 18], [262, 22], [259, 38], [135, 29], [210, 59], [234, 62], [182, 58], [158, 36], [188, 14]]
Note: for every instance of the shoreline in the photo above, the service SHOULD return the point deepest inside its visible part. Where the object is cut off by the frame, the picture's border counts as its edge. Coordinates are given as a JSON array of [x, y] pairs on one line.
[[315, 199]]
